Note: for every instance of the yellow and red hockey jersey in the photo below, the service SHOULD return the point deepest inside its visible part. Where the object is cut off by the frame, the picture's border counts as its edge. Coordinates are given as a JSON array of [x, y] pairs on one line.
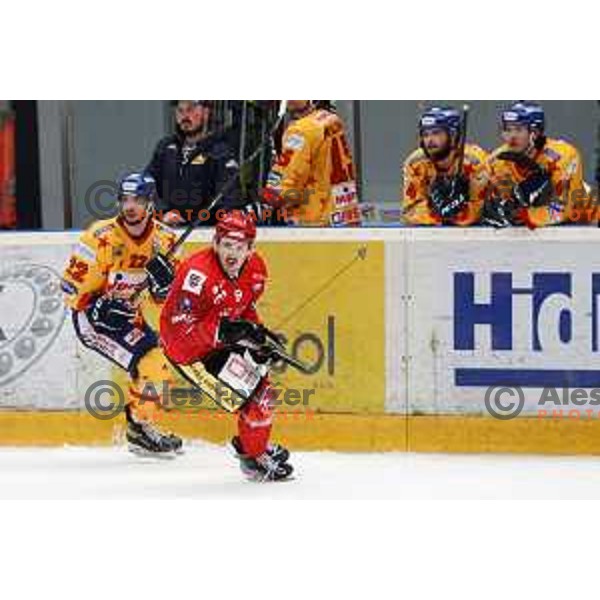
[[313, 177], [419, 172], [108, 259], [570, 200]]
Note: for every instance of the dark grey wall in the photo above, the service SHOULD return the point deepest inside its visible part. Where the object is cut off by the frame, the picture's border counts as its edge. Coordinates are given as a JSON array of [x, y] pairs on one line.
[[108, 138], [389, 134]]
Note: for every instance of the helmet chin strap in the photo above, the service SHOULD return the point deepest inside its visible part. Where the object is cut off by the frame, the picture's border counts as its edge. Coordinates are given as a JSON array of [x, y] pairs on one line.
[[531, 147], [534, 137]]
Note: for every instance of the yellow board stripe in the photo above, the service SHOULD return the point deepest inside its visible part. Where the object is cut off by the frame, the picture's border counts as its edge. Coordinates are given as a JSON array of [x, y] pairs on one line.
[[341, 432]]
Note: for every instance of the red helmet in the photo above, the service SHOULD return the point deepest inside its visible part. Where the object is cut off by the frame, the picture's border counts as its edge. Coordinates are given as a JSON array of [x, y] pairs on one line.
[[236, 224]]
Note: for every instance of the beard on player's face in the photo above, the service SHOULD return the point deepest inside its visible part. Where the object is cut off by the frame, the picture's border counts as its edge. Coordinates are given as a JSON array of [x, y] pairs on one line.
[[436, 144]]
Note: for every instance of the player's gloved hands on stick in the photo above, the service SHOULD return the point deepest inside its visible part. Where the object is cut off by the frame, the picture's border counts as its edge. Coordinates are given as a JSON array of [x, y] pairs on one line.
[[500, 213], [232, 332], [264, 354], [111, 314], [160, 276], [448, 196], [535, 190]]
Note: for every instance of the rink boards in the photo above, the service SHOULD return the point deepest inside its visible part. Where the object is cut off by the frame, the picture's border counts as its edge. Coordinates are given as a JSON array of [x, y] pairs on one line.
[[405, 330]]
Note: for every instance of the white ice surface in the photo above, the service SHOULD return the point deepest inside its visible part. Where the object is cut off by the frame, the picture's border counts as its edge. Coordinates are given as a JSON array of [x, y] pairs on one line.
[[208, 471]]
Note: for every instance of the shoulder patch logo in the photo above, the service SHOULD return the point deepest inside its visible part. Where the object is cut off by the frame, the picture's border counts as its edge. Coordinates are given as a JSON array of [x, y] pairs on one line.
[[572, 167], [194, 282], [295, 141], [84, 251], [551, 154]]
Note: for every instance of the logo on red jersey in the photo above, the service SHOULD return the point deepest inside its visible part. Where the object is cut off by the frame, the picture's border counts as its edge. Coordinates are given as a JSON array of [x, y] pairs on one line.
[[219, 293], [194, 282]]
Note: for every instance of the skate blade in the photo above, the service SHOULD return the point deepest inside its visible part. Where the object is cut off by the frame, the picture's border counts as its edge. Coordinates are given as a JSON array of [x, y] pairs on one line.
[[142, 452], [264, 480], [260, 478]]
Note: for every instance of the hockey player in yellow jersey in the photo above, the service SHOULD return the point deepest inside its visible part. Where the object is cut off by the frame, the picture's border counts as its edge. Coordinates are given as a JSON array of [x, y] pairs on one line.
[[312, 181], [535, 181], [445, 181], [112, 260]]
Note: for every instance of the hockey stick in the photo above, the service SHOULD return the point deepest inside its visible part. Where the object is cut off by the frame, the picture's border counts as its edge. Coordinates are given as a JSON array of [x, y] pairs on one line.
[[462, 139], [276, 350], [451, 203], [218, 391], [283, 356]]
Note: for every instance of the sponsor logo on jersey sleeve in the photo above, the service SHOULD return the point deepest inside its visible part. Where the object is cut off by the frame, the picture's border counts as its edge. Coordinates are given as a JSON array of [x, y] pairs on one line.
[[68, 288], [572, 167], [194, 282], [295, 141], [82, 250], [102, 230], [552, 154]]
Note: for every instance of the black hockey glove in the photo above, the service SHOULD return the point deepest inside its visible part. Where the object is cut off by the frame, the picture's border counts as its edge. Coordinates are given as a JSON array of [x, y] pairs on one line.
[[160, 276], [233, 332], [264, 354], [448, 196], [500, 213], [111, 314], [536, 189]]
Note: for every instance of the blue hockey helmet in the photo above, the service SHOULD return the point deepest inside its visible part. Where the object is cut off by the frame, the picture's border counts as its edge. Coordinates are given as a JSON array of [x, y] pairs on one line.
[[139, 185], [440, 117], [525, 113]]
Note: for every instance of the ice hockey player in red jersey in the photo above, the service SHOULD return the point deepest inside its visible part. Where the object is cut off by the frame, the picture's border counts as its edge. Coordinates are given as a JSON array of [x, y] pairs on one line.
[[209, 326]]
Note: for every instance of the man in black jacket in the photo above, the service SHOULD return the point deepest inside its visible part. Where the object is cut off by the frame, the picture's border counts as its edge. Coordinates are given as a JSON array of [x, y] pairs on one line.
[[192, 166]]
